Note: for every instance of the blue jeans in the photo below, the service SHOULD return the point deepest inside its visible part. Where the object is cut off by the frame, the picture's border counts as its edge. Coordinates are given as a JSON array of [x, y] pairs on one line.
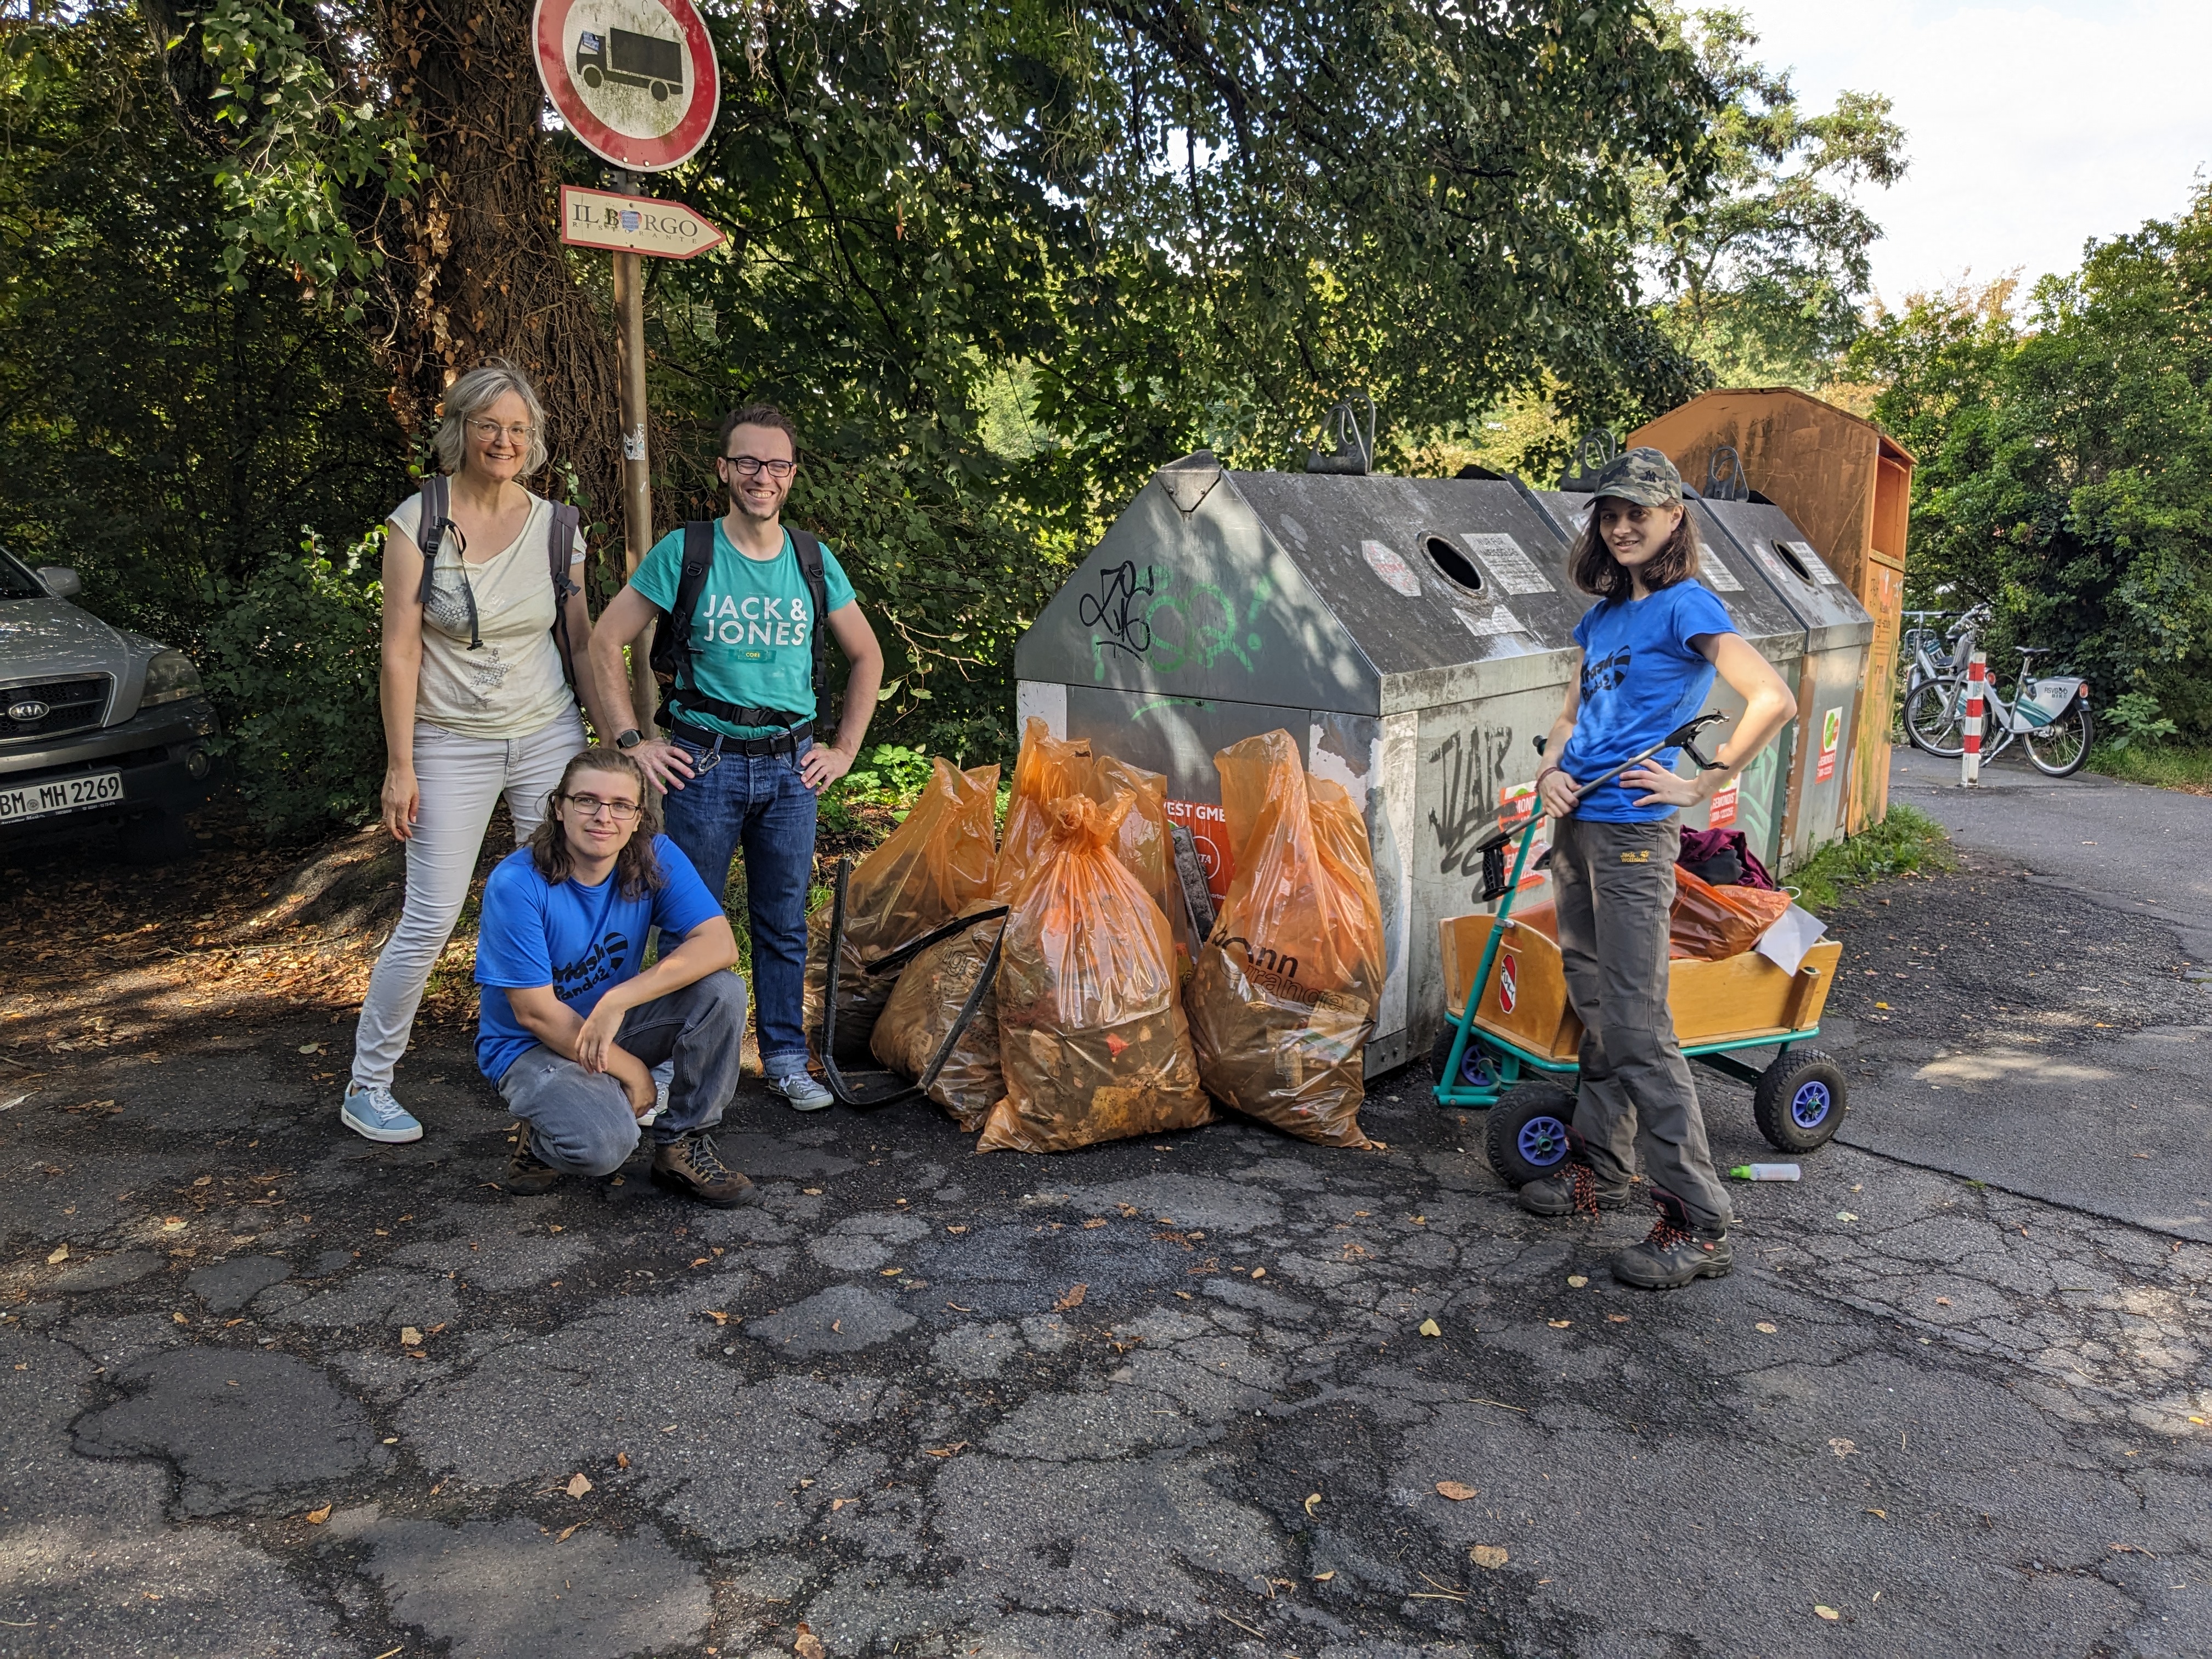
[[757, 803]]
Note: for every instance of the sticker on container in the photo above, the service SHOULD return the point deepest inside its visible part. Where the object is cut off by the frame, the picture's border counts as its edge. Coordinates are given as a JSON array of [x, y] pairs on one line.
[[1386, 563], [1209, 833], [1499, 622], [1717, 576], [1724, 808], [1515, 802], [1508, 973], [1775, 567], [1814, 562], [1831, 737], [1516, 571]]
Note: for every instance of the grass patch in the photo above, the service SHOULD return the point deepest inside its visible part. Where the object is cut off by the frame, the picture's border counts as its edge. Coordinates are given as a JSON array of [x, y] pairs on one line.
[[2162, 765], [1904, 842]]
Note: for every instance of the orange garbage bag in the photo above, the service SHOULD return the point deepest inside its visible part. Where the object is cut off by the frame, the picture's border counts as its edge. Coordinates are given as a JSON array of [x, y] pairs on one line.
[[928, 870], [1046, 769], [1288, 986], [1092, 1034], [923, 1007], [1716, 923]]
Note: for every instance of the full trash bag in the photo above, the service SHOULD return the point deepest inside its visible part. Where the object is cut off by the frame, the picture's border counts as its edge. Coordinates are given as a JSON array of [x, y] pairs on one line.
[[1289, 985], [1092, 1033], [923, 1008], [1715, 923], [928, 870]]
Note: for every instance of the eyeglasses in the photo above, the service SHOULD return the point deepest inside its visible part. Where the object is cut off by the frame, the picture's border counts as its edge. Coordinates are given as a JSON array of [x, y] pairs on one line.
[[750, 466], [622, 811], [517, 434]]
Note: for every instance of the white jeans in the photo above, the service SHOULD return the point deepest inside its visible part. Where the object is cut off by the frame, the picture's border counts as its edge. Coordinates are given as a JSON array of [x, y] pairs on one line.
[[461, 778]]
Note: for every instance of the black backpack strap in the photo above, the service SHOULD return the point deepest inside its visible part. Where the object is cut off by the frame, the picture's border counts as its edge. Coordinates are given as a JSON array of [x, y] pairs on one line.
[[431, 529], [818, 599], [560, 543], [672, 640]]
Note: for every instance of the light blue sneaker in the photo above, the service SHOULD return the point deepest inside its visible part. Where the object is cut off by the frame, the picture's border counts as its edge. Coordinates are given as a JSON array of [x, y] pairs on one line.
[[373, 1114], [801, 1089]]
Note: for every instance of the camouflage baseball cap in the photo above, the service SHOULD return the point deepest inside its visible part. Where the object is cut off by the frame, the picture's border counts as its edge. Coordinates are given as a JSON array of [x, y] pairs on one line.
[[1643, 476]]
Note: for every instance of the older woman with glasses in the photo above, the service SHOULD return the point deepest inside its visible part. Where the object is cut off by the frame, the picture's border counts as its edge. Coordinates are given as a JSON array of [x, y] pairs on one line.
[[484, 618]]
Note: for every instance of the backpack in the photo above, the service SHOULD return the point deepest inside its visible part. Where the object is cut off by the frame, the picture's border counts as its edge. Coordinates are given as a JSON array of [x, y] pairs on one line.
[[672, 640], [561, 545]]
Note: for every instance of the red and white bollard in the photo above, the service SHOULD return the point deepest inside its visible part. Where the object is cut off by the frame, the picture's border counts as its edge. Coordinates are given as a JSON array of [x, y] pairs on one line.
[[1970, 762]]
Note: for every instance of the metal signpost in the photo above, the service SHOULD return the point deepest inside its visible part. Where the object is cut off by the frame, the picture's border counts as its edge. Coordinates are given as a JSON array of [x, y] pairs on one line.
[[636, 81]]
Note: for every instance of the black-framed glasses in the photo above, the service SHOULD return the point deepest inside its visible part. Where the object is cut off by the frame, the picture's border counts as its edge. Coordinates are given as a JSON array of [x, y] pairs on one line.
[[622, 811], [749, 466]]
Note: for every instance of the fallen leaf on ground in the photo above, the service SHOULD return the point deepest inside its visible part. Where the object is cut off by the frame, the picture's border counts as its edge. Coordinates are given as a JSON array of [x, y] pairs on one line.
[[1942, 1301], [955, 1230], [170, 1223], [1488, 1555], [1429, 1327], [1880, 1514], [1095, 1221], [1616, 1319], [60, 1255], [622, 1460], [1767, 1326], [1846, 1215], [890, 1273], [957, 1307], [316, 1517], [718, 1316], [578, 1485], [807, 1644], [1575, 1281], [567, 1532], [1313, 1502], [311, 1048], [1561, 1324], [410, 1337], [1259, 1272], [837, 1503], [180, 1319], [1323, 1577], [812, 1192], [953, 1450], [1072, 1300], [1458, 1490], [1842, 1448], [1828, 1613]]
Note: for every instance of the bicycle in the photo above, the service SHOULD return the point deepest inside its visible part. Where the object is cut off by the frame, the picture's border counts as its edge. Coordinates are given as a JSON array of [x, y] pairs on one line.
[[1942, 717], [2049, 715]]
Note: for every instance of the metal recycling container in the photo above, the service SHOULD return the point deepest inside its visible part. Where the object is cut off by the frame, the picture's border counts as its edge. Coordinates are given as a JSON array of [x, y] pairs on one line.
[[1413, 634], [1757, 802], [1839, 635]]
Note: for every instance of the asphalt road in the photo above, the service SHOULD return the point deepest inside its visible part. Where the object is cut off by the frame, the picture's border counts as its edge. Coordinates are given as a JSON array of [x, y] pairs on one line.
[[1966, 1420]]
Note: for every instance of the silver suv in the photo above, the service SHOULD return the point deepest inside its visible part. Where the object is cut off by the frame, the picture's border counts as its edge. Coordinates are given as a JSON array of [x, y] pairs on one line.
[[97, 726]]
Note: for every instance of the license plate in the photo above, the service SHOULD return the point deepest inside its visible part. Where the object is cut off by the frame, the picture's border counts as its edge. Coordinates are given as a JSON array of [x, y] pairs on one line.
[[38, 800]]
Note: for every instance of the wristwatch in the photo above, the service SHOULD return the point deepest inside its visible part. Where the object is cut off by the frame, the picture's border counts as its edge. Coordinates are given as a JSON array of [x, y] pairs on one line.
[[628, 740]]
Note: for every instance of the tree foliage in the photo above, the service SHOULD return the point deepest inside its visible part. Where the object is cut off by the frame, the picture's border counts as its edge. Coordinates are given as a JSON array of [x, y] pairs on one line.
[[2066, 460]]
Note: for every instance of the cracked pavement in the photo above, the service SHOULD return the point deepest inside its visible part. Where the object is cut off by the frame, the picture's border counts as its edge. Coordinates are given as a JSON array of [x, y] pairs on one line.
[[1964, 1409]]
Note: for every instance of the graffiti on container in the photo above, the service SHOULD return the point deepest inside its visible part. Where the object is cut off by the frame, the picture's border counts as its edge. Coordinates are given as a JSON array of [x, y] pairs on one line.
[[1117, 611], [1169, 624], [1466, 809]]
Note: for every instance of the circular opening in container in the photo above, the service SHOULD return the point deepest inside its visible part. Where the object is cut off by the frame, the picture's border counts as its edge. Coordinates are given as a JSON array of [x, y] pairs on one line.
[[1452, 564], [1782, 551]]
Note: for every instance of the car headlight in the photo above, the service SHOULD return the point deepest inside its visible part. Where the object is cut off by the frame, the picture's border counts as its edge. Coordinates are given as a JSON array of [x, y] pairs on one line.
[[169, 677]]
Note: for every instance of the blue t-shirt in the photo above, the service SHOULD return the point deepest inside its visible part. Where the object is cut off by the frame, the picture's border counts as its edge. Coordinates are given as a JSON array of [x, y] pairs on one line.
[[1641, 678], [752, 639], [580, 940]]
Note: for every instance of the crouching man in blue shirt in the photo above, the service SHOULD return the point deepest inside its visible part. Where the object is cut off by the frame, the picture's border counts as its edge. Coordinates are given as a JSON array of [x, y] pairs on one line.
[[571, 1031]]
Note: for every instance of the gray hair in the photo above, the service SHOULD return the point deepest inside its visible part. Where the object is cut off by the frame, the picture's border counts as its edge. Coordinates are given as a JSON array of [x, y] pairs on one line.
[[473, 393]]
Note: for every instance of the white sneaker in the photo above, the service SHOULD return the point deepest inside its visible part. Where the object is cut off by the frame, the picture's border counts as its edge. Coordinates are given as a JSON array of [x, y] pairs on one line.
[[663, 1075], [803, 1091], [373, 1114]]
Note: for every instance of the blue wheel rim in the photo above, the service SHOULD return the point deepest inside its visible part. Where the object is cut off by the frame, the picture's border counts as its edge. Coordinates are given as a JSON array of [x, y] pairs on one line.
[[1543, 1141], [1810, 1105], [1475, 1069]]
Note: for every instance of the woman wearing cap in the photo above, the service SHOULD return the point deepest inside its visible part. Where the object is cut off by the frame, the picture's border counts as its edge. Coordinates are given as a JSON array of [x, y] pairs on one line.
[[1650, 648], [476, 698]]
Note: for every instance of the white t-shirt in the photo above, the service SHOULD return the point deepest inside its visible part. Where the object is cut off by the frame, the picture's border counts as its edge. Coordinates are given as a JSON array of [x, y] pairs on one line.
[[511, 685]]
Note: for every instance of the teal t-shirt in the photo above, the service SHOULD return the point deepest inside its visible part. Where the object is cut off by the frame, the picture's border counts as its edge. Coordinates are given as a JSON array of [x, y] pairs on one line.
[[751, 638]]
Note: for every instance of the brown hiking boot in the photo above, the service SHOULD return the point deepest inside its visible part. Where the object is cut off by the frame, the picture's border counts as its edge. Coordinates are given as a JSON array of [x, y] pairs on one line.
[[527, 1174], [692, 1167]]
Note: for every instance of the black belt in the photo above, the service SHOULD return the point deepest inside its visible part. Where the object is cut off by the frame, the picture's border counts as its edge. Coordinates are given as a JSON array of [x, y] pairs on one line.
[[718, 743]]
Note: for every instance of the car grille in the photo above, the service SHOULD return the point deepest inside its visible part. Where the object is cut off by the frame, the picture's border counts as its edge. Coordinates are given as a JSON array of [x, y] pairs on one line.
[[71, 706]]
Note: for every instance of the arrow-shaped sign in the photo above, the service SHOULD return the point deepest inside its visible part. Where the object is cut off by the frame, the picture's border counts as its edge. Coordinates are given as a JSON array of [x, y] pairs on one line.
[[633, 224]]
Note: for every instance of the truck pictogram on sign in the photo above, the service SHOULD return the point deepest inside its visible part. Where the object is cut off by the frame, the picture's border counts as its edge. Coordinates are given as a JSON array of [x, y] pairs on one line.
[[630, 59]]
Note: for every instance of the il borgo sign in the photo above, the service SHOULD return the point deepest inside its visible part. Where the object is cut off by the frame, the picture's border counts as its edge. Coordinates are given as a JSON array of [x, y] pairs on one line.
[[635, 79], [633, 224]]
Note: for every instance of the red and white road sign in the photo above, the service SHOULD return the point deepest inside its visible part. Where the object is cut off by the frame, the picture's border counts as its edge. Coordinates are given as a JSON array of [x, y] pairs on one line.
[[1508, 991], [635, 224], [635, 79]]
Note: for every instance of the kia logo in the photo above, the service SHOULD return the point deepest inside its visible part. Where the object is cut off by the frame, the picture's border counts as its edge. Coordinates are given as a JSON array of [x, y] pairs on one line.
[[28, 710]]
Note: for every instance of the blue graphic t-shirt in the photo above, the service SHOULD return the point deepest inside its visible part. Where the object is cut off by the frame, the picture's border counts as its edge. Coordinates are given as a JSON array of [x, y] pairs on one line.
[[752, 639], [580, 940], [1641, 678]]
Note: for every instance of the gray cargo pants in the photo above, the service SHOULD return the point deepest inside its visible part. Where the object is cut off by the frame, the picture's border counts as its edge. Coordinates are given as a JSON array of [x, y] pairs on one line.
[[582, 1121], [1616, 885]]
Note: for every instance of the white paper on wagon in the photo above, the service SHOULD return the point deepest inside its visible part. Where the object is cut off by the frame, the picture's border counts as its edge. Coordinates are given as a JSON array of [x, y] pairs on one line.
[[1793, 933]]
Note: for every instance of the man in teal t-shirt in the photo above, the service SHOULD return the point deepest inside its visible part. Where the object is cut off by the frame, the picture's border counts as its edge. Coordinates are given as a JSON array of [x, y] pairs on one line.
[[750, 783]]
